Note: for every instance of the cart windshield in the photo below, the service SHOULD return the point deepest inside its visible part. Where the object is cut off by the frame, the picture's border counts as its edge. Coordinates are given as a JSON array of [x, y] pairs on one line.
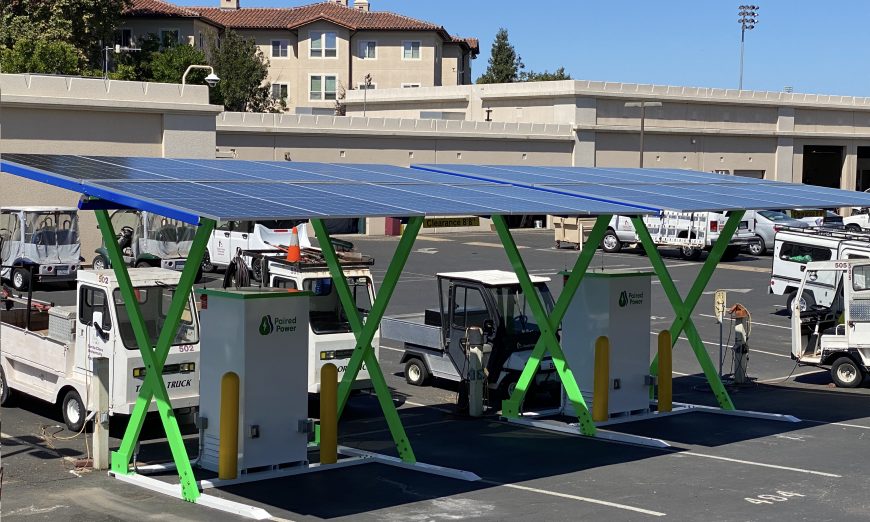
[[56, 228], [154, 302], [514, 308], [326, 314], [165, 237]]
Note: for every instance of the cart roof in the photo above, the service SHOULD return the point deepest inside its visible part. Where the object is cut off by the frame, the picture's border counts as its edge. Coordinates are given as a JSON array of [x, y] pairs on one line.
[[39, 209], [491, 277], [146, 276]]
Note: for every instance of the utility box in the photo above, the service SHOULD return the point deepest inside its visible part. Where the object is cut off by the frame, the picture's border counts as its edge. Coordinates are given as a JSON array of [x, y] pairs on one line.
[[615, 304], [261, 334]]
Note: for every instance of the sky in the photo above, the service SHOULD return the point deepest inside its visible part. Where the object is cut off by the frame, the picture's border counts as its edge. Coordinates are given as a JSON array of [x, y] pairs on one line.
[[813, 47]]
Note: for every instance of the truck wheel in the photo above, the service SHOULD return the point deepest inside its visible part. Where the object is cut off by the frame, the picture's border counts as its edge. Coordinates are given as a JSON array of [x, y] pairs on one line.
[[731, 252], [20, 279], [143, 264], [508, 385], [757, 248], [847, 373], [206, 262], [73, 411], [807, 301], [257, 270], [610, 242], [852, 227], [415, 372], [100, 262], [690, 253], [5, 392]]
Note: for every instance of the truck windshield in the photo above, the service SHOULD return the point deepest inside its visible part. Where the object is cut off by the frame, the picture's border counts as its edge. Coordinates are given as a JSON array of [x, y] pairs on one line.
[[513, 307], [154, 302], [326, 315], [51, 228]]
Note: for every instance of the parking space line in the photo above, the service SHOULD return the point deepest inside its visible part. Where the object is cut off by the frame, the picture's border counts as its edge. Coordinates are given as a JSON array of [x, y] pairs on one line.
[[743, 268], [754, 323], [792, 376], [837, 424], [576, 497], [753, 350], [494, 245], [419, 405], [759, 464]]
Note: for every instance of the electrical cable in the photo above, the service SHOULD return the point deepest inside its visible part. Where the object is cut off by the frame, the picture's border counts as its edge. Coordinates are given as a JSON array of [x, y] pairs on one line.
[[238, 274]]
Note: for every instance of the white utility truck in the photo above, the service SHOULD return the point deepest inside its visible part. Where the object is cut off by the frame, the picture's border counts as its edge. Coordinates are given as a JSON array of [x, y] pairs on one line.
[[795, 247], [147, 240], [691, 232], [837, 335], [491, 300], [40, 243], [330, 338], [51, 360], [231, 237]]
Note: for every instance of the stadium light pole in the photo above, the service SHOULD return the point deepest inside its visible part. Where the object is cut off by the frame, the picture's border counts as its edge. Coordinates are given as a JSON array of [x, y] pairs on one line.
[[748, 20], [643, 105]]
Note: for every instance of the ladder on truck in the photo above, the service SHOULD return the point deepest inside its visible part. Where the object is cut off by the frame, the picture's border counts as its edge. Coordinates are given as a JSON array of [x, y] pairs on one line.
[[834, 233], [679, 228]]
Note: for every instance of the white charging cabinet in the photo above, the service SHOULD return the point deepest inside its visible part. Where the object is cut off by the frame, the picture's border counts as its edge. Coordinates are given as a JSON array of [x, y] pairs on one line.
[[615, 304], [261, 334]]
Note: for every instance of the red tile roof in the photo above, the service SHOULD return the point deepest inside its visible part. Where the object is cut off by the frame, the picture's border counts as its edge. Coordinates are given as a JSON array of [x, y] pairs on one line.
[[295, 17]]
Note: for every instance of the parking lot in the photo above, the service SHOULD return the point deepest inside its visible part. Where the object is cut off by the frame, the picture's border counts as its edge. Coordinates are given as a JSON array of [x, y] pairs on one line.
[[719, 467]]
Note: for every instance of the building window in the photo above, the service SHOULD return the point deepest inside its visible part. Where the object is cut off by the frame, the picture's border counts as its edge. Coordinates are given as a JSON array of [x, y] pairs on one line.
[[410, 85], [368, 50], [324, 45], [201, 40], [411, 50], [322, 87], [280, 91], [279, 48], [169, 37], [124, 37]]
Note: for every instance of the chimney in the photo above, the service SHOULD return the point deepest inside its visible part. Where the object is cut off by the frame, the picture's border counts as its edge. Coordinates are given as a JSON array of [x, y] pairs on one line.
[[362, 5], [229, 4], [340, 2]]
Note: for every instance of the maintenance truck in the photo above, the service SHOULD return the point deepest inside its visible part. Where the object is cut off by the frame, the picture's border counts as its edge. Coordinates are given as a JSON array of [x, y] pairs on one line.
[[47, 350], [836, 336], [691, 232], [330, 338], [232, 237], [491, 300], [147, 240], [39, 243], [795, 247]]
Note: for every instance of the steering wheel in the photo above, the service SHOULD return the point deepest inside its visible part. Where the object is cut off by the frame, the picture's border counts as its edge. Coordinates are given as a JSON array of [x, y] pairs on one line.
[[126, 231], [47, 222]]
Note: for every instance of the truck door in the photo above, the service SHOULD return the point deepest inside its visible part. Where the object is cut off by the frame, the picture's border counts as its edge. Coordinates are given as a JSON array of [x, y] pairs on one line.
[[467, 308], [239, 237], [857, 293], [220, 243], [93, 302]]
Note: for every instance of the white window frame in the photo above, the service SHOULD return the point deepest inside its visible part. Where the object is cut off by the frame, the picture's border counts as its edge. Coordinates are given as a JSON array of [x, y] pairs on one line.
[[411, 43], [323, 90], [282, 42], [362, 86], [363, 45], [286, 87], [411, 85], [323, 49], [169, 30]]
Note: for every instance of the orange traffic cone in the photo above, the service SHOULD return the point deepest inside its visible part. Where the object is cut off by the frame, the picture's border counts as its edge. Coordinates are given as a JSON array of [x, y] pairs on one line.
[[293, 248]]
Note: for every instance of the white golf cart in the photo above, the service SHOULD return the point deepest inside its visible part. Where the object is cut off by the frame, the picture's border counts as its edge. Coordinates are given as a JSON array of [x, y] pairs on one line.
[[39, 244]]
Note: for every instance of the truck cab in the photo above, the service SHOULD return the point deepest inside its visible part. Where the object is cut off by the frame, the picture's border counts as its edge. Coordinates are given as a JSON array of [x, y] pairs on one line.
[[39, 244], [51, 360], [836, 336], [491, 300]]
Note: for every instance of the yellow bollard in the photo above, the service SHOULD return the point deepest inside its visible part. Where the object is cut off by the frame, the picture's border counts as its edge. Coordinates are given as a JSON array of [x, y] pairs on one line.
[[666, 374], [601, 387], [228, 449], [328, 414]]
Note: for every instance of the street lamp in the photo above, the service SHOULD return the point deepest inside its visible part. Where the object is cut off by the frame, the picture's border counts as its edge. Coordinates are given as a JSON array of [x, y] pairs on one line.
[[748, 20], [212, 78], [367, 84], [643, 105]]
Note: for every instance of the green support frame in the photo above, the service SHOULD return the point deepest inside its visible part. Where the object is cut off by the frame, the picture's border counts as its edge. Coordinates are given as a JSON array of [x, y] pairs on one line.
[[683, 309], [547, 342], [364, 328], [153, 356]]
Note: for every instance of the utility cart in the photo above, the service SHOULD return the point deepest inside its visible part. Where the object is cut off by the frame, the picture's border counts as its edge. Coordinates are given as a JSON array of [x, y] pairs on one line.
[[39, 244]]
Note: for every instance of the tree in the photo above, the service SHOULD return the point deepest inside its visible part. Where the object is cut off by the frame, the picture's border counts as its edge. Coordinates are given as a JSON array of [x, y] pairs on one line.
[[504, 62], [168, 66], [546, 76], [40, 56], [243, 71]]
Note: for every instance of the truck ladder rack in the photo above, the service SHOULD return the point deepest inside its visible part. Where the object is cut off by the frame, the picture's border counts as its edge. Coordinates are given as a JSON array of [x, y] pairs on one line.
[[828, 232], [311, 258]]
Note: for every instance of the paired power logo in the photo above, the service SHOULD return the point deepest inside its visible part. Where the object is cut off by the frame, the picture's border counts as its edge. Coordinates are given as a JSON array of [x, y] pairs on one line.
[[277, 325], [266, 325], [630, 298], [623, 300]]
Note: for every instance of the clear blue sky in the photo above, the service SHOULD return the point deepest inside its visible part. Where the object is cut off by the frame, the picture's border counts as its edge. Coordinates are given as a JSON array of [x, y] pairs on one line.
[[816, 47]]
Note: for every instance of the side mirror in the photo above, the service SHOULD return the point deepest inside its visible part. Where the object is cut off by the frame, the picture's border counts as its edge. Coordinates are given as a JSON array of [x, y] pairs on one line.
[[488, 328]]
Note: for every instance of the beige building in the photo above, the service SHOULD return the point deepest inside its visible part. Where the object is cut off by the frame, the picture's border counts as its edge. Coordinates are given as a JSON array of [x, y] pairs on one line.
[[316, 52]]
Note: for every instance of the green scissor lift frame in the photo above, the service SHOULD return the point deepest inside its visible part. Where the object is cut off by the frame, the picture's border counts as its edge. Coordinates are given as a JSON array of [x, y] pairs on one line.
[[154, 354]]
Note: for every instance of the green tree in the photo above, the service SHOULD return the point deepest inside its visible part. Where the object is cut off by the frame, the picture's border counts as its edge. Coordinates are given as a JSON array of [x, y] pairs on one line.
[[40, 56], [243, 71], [545, 76], [504, 62], [168, 66]]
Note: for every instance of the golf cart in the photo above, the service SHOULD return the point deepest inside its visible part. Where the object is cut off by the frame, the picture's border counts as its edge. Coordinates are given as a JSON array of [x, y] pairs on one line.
[[39, 244]]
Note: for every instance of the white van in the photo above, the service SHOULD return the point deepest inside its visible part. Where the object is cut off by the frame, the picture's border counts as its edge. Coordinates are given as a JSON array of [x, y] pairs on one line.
[[795, 247]]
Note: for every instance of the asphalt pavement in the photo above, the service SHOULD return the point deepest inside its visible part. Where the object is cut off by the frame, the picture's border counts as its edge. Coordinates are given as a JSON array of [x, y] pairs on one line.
[[717, 468]]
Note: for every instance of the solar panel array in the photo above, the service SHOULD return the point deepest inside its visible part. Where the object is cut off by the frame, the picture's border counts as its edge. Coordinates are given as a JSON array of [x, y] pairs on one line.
[[667, 189], [250, 190]]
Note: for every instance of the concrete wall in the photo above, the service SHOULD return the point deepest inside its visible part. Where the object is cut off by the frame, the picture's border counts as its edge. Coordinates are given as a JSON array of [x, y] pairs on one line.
[[58, 115]]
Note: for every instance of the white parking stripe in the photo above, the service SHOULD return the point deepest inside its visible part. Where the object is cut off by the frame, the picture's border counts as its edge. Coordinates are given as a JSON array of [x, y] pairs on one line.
[[760, 464], [575, 497], [753, 350], [754, 322]]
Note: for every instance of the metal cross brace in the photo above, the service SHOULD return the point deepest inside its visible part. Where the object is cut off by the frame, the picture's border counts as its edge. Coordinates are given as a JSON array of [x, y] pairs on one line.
[[549, 325], [153, 356], [364, 329], [683, 309]]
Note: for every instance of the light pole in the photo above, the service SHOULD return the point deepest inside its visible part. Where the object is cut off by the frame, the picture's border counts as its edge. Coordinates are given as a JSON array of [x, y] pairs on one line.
[[748, 20], [212, 78], [367, 83], [643, 105]]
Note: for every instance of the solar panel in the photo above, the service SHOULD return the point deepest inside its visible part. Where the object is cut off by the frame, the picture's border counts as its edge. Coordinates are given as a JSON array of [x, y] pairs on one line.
[[226, 190], [667, 189]]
